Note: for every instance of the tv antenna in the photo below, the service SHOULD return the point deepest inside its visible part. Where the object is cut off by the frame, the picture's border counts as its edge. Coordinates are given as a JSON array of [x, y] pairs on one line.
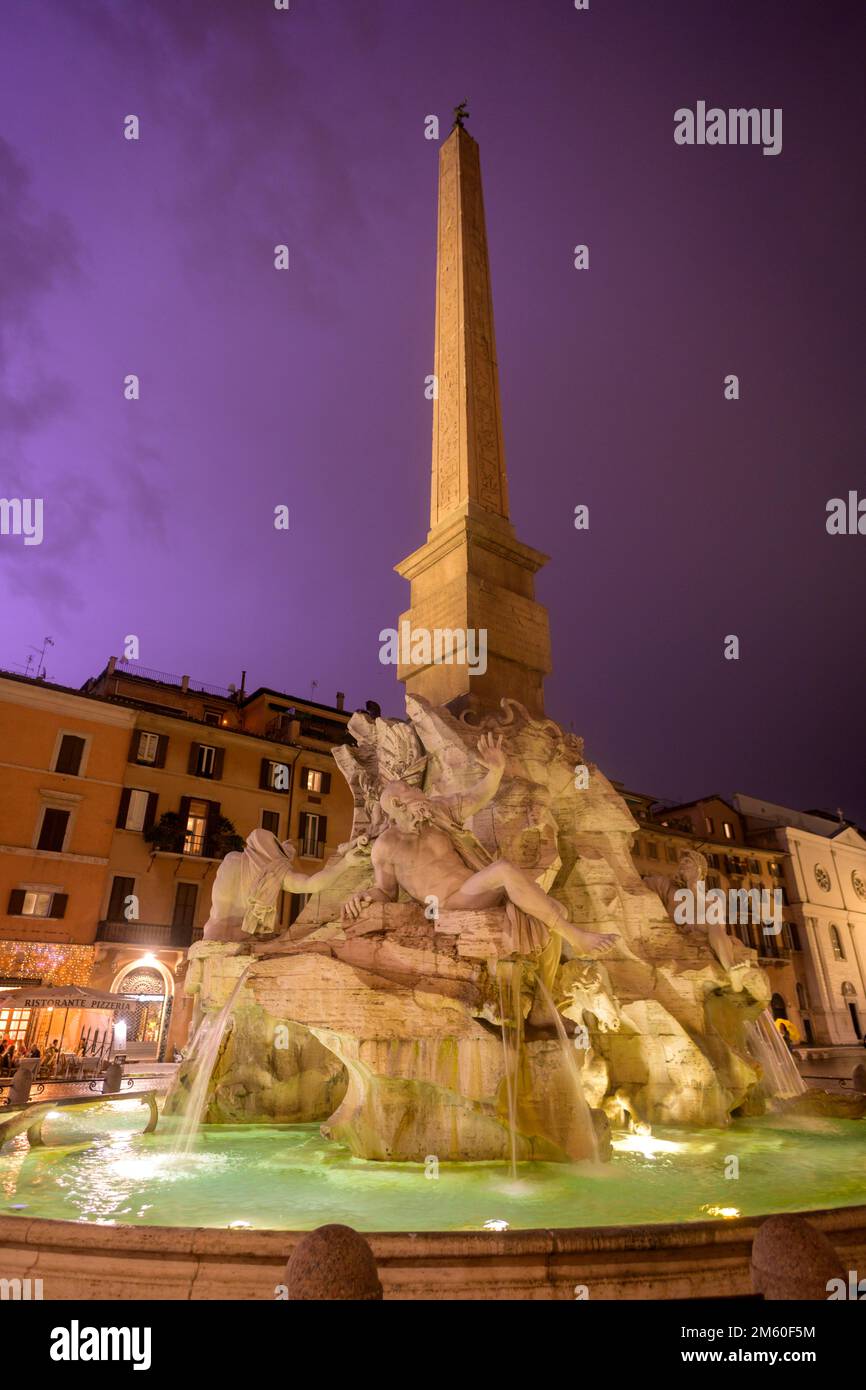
[[40, 665]]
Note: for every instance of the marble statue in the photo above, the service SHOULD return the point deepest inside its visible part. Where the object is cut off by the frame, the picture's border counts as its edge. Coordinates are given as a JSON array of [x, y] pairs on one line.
[[428, 854], [248, 883], [691, 874]]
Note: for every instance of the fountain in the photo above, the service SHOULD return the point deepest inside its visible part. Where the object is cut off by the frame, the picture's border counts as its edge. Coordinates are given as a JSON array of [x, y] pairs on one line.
[[479, 987], [781, 1078], [204, 1050]]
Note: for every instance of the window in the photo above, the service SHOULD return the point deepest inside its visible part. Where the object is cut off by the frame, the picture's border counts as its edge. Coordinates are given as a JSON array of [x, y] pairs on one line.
[[206, 760], [52, 832], [275, 777], [196, 827], [652, 850], [184, 905], [137, 809], [69, 755], [36, 902], [802, 997], [709, 825], [121, 889], [712, 880], [211, 716], [754, 867], [836, 943], [728, 830], [271, 821], [671, 854], [794, 932], [14, 1024], [148, 748], [637, 848], [312, 780], [313, 829]]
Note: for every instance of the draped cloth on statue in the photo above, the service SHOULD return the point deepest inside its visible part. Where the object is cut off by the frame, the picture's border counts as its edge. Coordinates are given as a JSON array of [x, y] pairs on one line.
[[265, 865], [526, 935]]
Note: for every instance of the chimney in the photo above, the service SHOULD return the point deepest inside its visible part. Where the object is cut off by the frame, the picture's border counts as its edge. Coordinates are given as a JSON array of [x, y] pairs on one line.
[[112, 662], [341, 698]]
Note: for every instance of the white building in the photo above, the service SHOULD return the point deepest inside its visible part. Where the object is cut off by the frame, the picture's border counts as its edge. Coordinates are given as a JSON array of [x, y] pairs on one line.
[[825, 879]]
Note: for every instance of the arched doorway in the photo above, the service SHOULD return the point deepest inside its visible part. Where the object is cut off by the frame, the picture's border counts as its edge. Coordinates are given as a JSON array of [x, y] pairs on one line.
[[147, 1021], [778, 1006]]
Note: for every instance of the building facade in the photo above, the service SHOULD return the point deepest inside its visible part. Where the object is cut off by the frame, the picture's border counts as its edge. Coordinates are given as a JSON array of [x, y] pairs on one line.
[[825, 871], [117, 804], [717, 830]]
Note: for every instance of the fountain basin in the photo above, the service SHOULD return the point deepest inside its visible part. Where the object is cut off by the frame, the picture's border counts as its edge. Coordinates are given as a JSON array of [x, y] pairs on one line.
[[607, 1227]]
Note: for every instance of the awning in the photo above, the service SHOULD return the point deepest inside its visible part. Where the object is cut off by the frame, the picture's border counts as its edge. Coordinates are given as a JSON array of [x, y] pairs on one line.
[[65, 997]]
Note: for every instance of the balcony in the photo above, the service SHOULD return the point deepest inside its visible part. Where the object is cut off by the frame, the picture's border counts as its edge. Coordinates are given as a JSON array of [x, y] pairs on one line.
[[148, 934]]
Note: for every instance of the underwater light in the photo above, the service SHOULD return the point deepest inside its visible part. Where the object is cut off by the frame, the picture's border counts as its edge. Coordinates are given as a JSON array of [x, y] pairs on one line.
[[496, 1224]]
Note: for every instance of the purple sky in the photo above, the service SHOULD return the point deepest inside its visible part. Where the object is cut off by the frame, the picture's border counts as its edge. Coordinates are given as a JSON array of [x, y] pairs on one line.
[[306, 388]]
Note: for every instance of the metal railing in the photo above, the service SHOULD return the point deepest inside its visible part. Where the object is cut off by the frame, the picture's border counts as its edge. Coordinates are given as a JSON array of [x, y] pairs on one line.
[[146, 933], [132, 668]]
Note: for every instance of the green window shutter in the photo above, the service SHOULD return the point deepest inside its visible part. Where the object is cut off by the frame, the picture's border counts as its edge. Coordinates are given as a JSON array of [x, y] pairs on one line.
[[69, 755], [16, 902], [150, 812], [161, 749], [264, 774], [218, 760], [132, 755], [123, 808], [53, 832], [120, 890], [192, 764], [213, 815], [58, 905], [326, 783]]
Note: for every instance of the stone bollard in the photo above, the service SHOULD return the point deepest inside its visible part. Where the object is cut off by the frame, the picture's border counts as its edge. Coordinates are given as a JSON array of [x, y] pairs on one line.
[[791, 1259], [113, 1076], [858, 1077], [333, 1262], [19, 1090]]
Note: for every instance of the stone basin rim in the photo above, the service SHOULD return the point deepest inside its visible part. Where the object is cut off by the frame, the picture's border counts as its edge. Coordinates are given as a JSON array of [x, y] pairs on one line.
[[25, 1230]]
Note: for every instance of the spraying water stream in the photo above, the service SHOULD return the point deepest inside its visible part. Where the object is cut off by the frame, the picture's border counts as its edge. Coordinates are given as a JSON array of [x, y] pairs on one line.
[[204, 1052]]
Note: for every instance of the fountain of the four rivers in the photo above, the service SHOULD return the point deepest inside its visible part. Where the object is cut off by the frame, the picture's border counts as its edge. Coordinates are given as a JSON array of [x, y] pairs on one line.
[[485, 1038]]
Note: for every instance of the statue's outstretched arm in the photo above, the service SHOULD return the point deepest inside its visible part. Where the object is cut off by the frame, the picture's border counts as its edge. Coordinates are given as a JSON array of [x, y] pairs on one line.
[[315, 883], [465, 804]]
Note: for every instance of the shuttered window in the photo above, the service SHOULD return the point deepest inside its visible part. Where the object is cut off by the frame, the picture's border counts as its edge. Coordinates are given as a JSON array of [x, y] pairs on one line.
[[69, 755], [52, 833], [184, 905], [121, 889]]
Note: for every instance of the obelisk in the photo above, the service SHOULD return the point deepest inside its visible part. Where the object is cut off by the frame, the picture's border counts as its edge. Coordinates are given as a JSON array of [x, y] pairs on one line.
[[472, 573]]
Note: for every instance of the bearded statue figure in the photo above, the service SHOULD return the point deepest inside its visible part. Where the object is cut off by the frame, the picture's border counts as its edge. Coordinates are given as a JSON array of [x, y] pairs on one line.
[[428, 853]]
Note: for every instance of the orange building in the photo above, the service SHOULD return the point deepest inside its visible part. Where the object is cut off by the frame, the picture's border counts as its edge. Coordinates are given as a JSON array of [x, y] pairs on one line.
[[117, 803]]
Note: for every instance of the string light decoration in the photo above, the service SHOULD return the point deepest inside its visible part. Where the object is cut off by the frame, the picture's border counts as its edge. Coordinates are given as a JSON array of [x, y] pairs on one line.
[[49, 963]]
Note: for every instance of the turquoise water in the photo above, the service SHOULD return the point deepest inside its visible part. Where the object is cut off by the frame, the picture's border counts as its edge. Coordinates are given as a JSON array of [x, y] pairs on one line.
[[289, 1177]]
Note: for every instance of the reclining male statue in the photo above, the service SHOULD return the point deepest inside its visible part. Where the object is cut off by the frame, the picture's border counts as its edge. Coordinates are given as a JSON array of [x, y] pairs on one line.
[[428, 854]]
